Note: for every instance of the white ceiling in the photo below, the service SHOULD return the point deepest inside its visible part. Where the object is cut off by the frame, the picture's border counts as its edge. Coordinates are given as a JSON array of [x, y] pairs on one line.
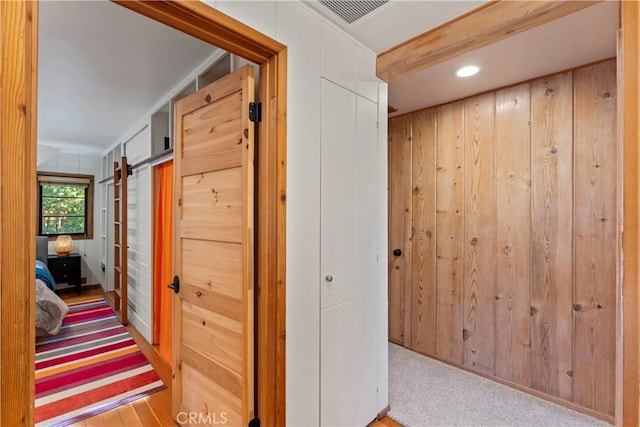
[[101, 67], [399, 20]]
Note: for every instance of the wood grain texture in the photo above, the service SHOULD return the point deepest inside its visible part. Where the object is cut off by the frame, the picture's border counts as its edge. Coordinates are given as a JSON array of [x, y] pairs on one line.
[[212, 205], [479, 234], [523, 155], [399, 228], [120, 246], [211, 135], [486, 24], [423, 244], [551, 236], [271, 242], [513, 235], [214, 320], [595, 218], [628, 313], [449, 220], [207, 24], [18, 78]]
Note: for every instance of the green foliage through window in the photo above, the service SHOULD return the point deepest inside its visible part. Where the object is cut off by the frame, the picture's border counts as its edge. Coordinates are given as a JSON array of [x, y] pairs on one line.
[[66, 204], [63, 209]]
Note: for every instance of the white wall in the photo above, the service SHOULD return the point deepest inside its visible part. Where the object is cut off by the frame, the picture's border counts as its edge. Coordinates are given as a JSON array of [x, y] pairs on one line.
[[316, 49], [88, 164]]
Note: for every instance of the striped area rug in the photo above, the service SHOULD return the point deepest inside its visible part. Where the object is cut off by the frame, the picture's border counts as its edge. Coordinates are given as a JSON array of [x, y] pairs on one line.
[[91, 366]]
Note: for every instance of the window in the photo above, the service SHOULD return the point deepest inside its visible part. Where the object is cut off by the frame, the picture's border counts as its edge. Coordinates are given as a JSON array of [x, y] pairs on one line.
[[66, 205]]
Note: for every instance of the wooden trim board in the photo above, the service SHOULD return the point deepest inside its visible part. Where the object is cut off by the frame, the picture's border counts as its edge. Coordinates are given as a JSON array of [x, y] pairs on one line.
[[628, 327], [18, 79], [18, 44], [489, 23]]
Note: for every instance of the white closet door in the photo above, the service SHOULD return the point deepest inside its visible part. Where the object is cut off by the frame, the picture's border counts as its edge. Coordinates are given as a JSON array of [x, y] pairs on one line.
[[349, 241], [338, 195], [366, 260], [338, 398]]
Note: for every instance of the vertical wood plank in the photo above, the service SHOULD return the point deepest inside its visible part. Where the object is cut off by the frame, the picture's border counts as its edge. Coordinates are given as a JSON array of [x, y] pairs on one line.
[[399, 227], [552, 229], [595, 236], [479, 237], [449, 220], [423, 243], [513, 250], [18, 78], [628, 313]]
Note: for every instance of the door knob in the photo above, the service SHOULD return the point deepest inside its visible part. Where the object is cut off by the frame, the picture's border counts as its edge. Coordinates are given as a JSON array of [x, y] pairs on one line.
[[329, 278], [397, 252]]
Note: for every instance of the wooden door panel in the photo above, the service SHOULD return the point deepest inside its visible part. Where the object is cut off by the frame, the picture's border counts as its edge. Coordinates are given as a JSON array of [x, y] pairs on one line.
[[207, 331], [213, 317], [205, 392], [212, 136], [212, 206], [201, 254], [218, 303]]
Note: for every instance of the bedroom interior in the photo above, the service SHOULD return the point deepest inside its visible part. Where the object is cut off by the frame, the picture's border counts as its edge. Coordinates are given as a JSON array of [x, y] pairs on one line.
[[576, 308]]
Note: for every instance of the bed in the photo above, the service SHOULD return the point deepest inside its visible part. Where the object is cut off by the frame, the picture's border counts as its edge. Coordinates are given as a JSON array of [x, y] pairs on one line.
[[50, 309]]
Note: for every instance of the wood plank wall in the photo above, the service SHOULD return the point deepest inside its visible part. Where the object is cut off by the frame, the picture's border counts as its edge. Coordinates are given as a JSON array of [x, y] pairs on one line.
[[400, 220], [508, 266]]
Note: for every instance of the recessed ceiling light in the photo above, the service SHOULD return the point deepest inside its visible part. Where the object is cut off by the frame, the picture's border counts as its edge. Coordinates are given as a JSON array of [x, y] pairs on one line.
[[467, 71]]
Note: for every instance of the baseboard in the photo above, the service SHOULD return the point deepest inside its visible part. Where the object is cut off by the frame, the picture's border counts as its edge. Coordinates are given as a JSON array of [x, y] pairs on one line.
[[72, 288], [383, 413]]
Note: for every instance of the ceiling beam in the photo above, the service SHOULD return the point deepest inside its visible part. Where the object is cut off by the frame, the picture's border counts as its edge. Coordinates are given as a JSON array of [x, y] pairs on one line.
[[489, 23]]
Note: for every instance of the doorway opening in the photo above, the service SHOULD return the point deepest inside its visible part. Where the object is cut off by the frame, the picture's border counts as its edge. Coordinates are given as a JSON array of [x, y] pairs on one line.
[[211, 26]]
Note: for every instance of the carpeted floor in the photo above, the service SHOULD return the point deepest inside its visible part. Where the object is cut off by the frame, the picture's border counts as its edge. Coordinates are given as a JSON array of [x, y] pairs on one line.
[[91, 366], [424, 392]]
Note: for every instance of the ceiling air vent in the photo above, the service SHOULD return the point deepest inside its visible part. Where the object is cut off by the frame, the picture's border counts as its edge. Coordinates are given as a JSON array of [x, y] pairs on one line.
[[351, 11]]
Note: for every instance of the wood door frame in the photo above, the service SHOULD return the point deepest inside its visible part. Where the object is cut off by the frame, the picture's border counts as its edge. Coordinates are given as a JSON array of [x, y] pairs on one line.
[[18, 79], [499, 19]]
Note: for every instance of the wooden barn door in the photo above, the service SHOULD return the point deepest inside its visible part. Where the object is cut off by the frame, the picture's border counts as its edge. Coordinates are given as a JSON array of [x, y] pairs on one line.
[[213, 363]]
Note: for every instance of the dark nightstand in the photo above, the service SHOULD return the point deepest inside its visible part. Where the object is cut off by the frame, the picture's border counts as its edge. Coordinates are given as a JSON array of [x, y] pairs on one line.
[[66, 269]]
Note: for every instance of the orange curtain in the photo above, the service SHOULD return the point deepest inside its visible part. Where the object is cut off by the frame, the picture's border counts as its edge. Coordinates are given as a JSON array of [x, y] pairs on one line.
[[163, 260]]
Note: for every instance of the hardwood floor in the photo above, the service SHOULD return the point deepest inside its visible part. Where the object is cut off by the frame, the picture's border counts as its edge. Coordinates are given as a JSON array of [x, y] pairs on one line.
[[385, 422], [155, 409]]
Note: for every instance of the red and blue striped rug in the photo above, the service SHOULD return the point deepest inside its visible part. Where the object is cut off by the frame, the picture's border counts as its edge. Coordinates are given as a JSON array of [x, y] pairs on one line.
[[91, 366]]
